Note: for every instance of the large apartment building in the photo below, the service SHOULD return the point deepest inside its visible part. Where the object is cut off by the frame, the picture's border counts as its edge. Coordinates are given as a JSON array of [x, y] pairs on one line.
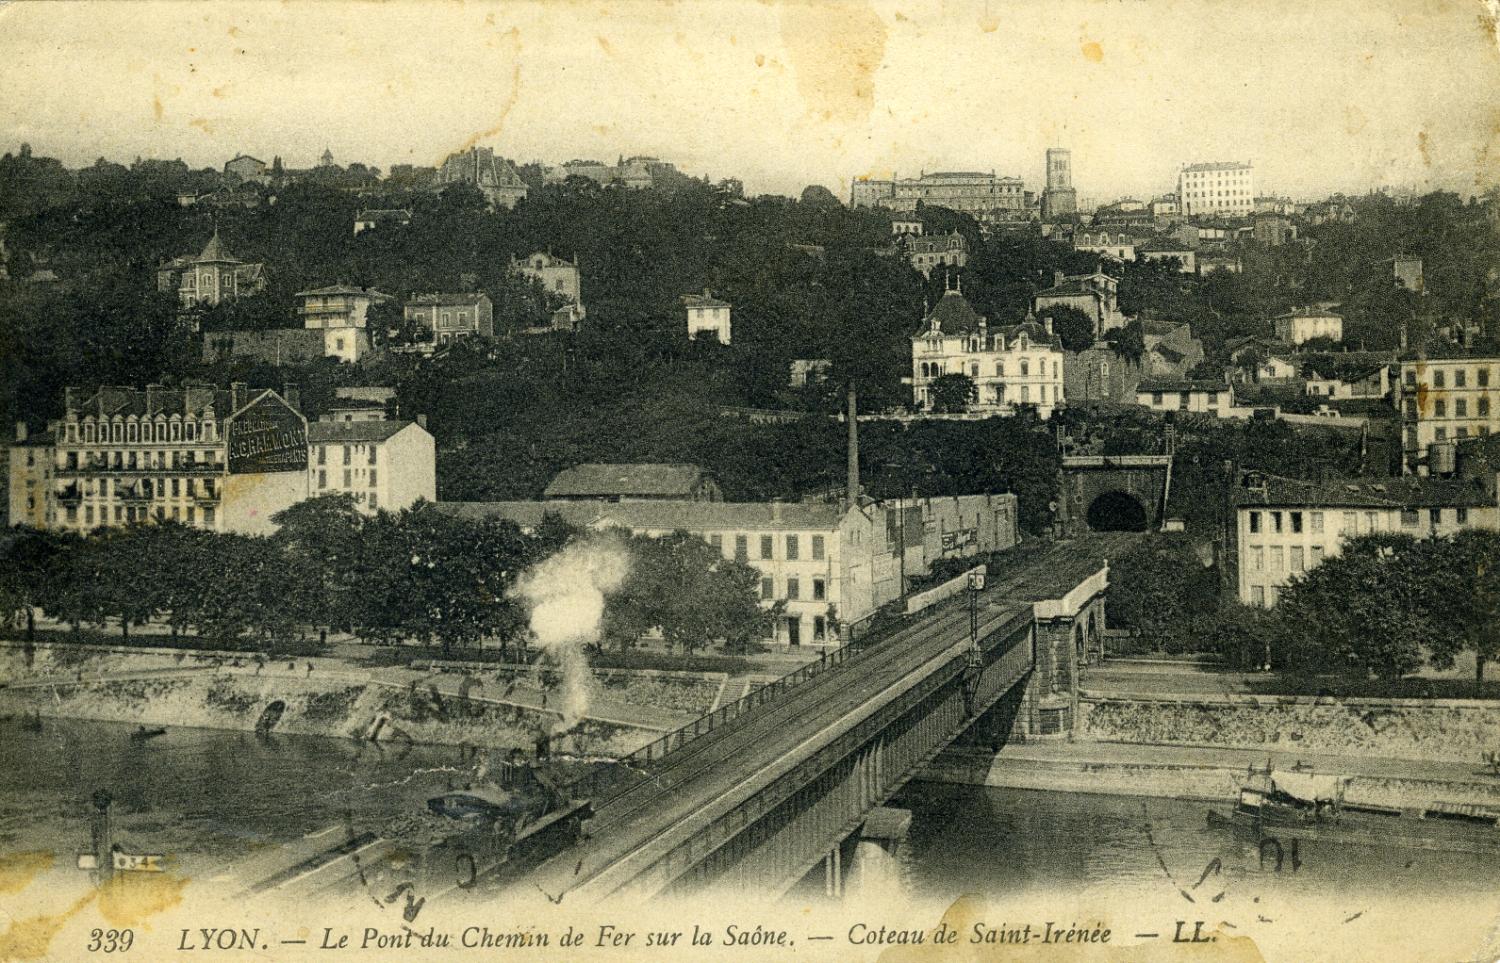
[[224, 461], [1446, 400], [1286, 526], [1010, 365], [985, 197], [1224, 189], [828, 565], [208, 458], [384, 464]]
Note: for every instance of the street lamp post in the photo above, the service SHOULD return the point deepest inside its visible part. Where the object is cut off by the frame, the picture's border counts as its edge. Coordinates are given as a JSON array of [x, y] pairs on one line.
[[974, 667]]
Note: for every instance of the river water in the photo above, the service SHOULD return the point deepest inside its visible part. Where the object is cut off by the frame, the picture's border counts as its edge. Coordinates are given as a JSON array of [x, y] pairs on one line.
[[210, 797]]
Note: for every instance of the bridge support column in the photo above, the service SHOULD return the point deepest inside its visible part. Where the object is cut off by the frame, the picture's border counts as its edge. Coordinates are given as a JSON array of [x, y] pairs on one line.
[[1052, 688], [833, 873], [875, 872]]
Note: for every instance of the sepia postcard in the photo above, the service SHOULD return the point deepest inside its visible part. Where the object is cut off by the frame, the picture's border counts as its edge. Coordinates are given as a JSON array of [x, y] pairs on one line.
[[750, 480]]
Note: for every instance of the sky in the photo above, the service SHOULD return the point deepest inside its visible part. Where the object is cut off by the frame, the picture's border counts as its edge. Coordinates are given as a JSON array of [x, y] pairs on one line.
[[1338, 95]]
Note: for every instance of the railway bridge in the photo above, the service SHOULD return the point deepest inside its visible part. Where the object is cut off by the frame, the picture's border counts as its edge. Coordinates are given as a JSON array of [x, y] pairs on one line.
[[757, 794]]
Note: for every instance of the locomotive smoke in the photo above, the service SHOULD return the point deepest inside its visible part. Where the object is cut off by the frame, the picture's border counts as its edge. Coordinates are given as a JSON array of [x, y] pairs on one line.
[[566, 595]]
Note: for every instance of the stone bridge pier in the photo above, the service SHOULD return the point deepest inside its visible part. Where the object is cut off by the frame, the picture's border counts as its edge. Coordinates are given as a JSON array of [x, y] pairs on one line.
[[1068, 634]]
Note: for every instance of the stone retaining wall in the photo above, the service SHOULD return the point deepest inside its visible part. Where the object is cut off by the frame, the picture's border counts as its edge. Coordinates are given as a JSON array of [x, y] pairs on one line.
[[1458, 730], [168, 687]]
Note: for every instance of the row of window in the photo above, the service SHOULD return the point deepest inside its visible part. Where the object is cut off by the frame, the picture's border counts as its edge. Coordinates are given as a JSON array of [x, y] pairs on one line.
[[1290, 559], [792, 625], [349, 453], [793, 589], [934, 369], [139, 460], [1441, 434], [1278, 522], [1460, 408], [1460, 377], [958, 192], [995, 394], [137, 513], [148, 487], [134, 432], [370, 478], [792, 546], [1158, 399]]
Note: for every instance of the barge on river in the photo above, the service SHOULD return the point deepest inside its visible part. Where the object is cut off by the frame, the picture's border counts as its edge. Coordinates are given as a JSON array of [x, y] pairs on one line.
[[1312, 807]]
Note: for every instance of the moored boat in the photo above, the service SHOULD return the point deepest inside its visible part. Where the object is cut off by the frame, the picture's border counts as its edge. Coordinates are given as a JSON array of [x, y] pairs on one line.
[[1288, 806]]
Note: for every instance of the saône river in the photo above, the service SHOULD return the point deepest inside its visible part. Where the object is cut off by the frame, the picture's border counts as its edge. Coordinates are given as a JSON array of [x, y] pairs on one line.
[[209, 798]]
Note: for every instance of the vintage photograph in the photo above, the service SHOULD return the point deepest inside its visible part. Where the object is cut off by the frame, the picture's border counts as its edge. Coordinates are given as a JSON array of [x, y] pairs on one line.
[[696, 480]]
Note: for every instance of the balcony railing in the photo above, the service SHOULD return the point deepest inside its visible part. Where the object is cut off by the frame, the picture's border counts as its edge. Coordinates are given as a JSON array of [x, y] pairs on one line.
[[195, 469]]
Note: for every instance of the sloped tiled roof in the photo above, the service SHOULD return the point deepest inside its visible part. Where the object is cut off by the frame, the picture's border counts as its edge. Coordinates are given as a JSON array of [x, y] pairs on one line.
[[600, 480], [663, 516], [1162, 329], [1164, 246], [704, 300], [1409, 491], [953, 315], [215, 250], [342, 289], [931, 243], [1067, 289], [1035, 332], [1182, 384], [1309, 313], [384, 214], [108, 401], [353, 432], [460, 297]]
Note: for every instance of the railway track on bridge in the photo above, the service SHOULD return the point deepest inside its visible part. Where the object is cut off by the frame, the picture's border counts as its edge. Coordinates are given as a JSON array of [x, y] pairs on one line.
[[695, 776]]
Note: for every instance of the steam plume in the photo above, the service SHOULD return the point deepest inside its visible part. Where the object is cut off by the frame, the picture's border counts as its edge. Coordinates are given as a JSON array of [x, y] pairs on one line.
[[566, 595]]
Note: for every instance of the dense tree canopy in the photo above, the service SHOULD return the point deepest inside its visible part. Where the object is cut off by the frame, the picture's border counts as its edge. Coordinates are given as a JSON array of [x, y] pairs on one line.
[[1388, 604], [419, 575]]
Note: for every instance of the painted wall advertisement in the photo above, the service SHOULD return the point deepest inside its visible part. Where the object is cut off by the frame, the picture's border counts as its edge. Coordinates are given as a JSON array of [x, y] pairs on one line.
[[268, 437]]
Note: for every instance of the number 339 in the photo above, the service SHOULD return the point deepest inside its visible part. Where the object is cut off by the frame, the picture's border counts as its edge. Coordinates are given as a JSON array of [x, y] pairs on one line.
[[110, 941]]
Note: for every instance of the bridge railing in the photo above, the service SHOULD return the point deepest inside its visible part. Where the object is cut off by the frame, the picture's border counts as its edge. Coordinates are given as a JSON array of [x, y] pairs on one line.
[[601, 784]]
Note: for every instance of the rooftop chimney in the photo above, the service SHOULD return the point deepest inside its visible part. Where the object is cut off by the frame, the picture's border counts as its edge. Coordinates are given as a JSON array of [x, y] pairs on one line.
[[292, 395], [1057, 279], [422, 421], [1047, 323], [851, 493], [238, 395], [775, 510], [20, 431]]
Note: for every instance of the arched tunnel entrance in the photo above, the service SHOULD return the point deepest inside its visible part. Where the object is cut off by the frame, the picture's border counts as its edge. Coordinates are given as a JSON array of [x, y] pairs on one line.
[[1117, 511]]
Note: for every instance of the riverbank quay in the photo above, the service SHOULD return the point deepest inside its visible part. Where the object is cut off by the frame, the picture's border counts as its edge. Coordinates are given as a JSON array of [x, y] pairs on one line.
[[436, 703], [1206, 774]]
